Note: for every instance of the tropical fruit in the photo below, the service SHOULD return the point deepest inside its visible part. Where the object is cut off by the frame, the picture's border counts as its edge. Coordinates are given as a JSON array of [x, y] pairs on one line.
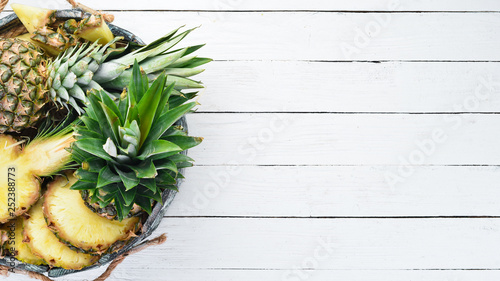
[[45, 244], [39, 22], [74, 223], [15, 246], [31, 83], [21, 169], [130, 152]]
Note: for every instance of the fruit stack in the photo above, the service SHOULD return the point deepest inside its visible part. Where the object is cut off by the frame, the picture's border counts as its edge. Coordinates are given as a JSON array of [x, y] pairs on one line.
[[89, 136]]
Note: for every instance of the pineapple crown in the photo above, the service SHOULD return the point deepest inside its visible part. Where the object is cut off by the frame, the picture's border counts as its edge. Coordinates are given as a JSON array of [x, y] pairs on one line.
[[131, 151], [86, 66]]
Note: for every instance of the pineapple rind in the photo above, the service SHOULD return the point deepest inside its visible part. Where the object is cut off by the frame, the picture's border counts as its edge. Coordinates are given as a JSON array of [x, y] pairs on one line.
[[76, 225], [49, 49], [22, 250], [22, 85], [26, 188], [46, 245]]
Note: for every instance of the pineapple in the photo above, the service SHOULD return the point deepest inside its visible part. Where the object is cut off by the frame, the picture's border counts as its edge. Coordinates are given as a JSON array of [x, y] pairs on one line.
[[15, 245], [38, 22], [31, 83], [20, 169], [129, 153], [74, 223], [45, 244]]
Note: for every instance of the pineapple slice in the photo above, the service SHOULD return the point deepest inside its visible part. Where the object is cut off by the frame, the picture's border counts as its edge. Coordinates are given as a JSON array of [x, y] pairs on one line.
[[33, 18], [95, 28], [73, 222], [92, 28], [15, 244], [20, 169], [45, 244]]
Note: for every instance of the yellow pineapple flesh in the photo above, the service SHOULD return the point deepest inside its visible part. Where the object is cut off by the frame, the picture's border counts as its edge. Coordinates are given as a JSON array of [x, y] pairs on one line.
[[38, 23], [74, 223], [95, 28], [20, 170], [33, 18], [45, 244], [15, 245]]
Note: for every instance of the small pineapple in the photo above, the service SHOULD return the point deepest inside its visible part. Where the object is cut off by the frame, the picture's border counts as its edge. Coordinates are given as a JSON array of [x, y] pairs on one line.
[[20, 169], [130, 152], [75, 224], [45, 244]]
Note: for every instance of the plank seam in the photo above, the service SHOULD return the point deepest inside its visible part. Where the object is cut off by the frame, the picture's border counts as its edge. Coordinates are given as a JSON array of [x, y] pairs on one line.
[[334, 217]]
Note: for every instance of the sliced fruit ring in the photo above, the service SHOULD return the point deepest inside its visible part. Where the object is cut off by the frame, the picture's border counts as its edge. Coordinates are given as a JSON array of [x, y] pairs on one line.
[[46, 245], [74, 223]]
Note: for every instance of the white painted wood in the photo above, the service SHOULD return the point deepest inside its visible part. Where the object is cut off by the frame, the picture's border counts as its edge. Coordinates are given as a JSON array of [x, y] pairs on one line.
[[328, 36], [324, 36], [337, 191], [280, 5], [353, 244], [346, 139], [163, 274], [312, 275], [291, 86], [321, 244], [335, 165]]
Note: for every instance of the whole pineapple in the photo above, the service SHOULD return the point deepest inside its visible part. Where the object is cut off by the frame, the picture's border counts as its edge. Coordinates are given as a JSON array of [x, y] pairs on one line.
[[22, 90], [31, 83]]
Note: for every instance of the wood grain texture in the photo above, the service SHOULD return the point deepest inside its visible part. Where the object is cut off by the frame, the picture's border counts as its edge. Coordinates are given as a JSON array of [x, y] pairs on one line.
[[293, 245], [282, 5], [292, 86], [163, 274], [350, 191], [346, 139], [329, 36], [339, 244], [358, 85]]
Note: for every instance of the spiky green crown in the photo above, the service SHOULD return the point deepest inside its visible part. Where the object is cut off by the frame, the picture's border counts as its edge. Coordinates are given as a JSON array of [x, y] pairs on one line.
[[130, 151], [92, 66]]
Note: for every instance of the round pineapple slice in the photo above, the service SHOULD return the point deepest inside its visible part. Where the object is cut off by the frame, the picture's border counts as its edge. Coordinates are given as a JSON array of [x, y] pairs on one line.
[[46, 245], [15, 245], [73, 222]]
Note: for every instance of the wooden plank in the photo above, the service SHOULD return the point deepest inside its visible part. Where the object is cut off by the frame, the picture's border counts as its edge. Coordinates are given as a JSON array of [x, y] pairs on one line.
[[123, 273], [297, 86], [346, 139], [328, 36], [281, 5], [342, 244], [349, 191], [128, 271]]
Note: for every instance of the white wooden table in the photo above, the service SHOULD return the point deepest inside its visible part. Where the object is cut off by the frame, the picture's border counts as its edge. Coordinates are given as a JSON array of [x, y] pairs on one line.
[[344, 140]]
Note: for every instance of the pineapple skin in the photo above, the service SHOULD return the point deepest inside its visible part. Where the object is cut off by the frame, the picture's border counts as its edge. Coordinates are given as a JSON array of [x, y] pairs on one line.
[[27, 186], [21, 168], [46, 245], [23, 252], [22, 84], [80, 228]]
